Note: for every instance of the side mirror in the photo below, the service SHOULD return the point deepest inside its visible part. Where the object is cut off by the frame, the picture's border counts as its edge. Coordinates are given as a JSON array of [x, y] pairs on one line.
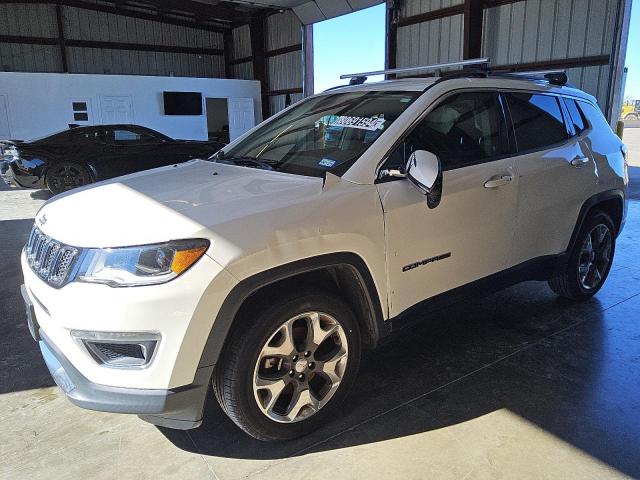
[[423, 169]]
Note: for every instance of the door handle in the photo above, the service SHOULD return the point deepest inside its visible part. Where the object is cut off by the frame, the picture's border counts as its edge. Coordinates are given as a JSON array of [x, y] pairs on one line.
[[498, 181], [579, 161]]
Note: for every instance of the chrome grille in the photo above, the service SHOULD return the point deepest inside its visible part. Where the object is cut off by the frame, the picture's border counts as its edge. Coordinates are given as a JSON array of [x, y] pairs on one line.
[[48, 258]]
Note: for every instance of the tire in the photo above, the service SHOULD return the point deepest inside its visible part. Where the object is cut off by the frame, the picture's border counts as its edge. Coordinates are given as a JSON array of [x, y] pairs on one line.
[[572, 283], [65, 176], [244, 364]]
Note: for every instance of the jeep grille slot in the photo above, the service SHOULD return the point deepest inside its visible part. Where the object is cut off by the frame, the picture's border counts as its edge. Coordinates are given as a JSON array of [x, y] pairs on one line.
[[48, 258]]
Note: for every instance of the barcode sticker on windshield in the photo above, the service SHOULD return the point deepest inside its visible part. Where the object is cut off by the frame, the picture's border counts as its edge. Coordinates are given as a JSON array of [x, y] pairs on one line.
[[327, 162], [362, 123]]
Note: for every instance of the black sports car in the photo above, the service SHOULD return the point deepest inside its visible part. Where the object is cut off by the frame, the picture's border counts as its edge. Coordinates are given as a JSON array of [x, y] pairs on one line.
[[83, 155]]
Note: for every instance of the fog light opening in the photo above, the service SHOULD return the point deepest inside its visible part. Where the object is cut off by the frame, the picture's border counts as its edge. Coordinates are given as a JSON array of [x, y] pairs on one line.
[[119, 349]]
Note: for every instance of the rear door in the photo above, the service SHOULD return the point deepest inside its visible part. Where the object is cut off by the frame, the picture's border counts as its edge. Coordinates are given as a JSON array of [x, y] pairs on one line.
[[555, 171]]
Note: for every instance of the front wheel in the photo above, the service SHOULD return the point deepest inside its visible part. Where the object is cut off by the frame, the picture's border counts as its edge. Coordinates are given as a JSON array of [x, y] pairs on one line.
[[285, 371], [590, 260], [65, 176]]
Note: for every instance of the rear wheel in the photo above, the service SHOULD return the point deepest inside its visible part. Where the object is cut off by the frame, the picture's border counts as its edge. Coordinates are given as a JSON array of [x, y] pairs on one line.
[[287, 368], [65, 176], [590, 261]]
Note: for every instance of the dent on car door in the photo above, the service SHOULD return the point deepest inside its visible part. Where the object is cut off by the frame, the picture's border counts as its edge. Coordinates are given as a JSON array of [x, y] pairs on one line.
[[555, 170], [469, 234]]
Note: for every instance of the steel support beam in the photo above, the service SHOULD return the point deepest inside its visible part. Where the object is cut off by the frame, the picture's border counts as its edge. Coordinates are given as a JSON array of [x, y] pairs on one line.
[[228, 54], [143, 47], [61, 43], [307, 61], [284, 91], [561, 63], [257, 33], [391, 34], [269, 53], [472, 47]]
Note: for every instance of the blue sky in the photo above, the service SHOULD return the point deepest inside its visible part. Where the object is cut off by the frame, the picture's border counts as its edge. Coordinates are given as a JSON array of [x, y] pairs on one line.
[[633, 54], [349, 44], [355, 43]]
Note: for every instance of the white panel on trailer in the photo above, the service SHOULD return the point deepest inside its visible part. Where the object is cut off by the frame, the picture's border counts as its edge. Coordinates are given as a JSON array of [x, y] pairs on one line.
[[241, 116]]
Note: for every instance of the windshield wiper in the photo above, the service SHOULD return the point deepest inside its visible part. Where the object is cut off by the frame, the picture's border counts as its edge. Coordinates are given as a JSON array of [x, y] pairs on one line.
[[245, 161]]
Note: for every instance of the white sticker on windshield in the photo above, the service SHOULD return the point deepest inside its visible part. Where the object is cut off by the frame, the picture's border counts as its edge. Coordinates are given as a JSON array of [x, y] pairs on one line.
[[362, 123]]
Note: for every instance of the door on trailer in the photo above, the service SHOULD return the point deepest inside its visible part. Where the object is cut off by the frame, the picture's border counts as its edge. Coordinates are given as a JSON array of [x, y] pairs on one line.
[[116, 109], [241, 116]]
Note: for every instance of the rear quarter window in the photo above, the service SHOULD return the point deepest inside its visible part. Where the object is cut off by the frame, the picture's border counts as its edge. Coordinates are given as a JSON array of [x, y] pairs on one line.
[[537, 120], [577, 117]]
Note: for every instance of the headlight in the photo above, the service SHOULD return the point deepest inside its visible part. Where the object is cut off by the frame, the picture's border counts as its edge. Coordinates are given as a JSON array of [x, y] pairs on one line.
[[142, 265]]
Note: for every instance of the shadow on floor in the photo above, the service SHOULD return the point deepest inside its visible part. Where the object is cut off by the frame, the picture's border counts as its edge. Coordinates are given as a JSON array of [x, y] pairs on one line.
[[440, 374], [634, 183], [41, 194], [21, 364]]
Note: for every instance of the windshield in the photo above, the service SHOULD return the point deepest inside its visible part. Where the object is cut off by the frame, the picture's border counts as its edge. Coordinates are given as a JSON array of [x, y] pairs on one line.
[[56, 136], [324, 133]]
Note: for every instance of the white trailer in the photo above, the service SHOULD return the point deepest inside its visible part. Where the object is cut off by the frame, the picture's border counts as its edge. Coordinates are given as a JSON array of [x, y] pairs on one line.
[[37, 104]]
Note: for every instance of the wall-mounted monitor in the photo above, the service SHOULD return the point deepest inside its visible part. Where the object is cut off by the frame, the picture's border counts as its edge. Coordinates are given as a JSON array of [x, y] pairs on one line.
[[182, 103]]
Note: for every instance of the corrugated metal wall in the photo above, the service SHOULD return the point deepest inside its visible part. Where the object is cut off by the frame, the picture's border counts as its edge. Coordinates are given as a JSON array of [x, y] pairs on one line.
[[241, 42], [15, 20], [80, 24], [283, 71], [409, 8], [435, 41], [525, 31], [541, 30]]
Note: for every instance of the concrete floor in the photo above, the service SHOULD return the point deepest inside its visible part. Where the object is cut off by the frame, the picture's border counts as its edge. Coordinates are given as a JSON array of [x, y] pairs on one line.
[[519, 384]]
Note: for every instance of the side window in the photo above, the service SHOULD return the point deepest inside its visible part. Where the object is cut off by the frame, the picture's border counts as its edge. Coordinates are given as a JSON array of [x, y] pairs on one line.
[[537, 120], [464, 129], [577, 117], [594, 116], [127, 136]]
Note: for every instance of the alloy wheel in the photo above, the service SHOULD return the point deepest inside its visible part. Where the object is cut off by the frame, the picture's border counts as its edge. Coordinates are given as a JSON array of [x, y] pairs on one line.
[[595, 257], [300, 367]]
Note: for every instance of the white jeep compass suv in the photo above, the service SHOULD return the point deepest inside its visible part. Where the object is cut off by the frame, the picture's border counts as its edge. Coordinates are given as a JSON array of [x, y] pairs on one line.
[[262, 273]]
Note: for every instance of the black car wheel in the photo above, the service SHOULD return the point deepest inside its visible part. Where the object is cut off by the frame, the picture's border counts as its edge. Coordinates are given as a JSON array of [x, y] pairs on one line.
[[590, 261], [65, 176]]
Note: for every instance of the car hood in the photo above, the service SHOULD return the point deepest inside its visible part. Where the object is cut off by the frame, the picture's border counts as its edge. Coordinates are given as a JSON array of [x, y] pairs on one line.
[[182, 201]]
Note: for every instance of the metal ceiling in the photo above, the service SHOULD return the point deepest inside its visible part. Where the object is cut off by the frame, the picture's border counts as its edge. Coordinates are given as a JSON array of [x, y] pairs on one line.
[[308, 11]]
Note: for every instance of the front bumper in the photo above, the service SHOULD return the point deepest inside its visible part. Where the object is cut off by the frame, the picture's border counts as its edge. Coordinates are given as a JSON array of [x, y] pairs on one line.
[[181, 311], [180, 408]]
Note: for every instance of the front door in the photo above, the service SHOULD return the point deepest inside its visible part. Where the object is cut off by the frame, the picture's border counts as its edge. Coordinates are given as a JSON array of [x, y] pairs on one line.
[[468, 235]]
